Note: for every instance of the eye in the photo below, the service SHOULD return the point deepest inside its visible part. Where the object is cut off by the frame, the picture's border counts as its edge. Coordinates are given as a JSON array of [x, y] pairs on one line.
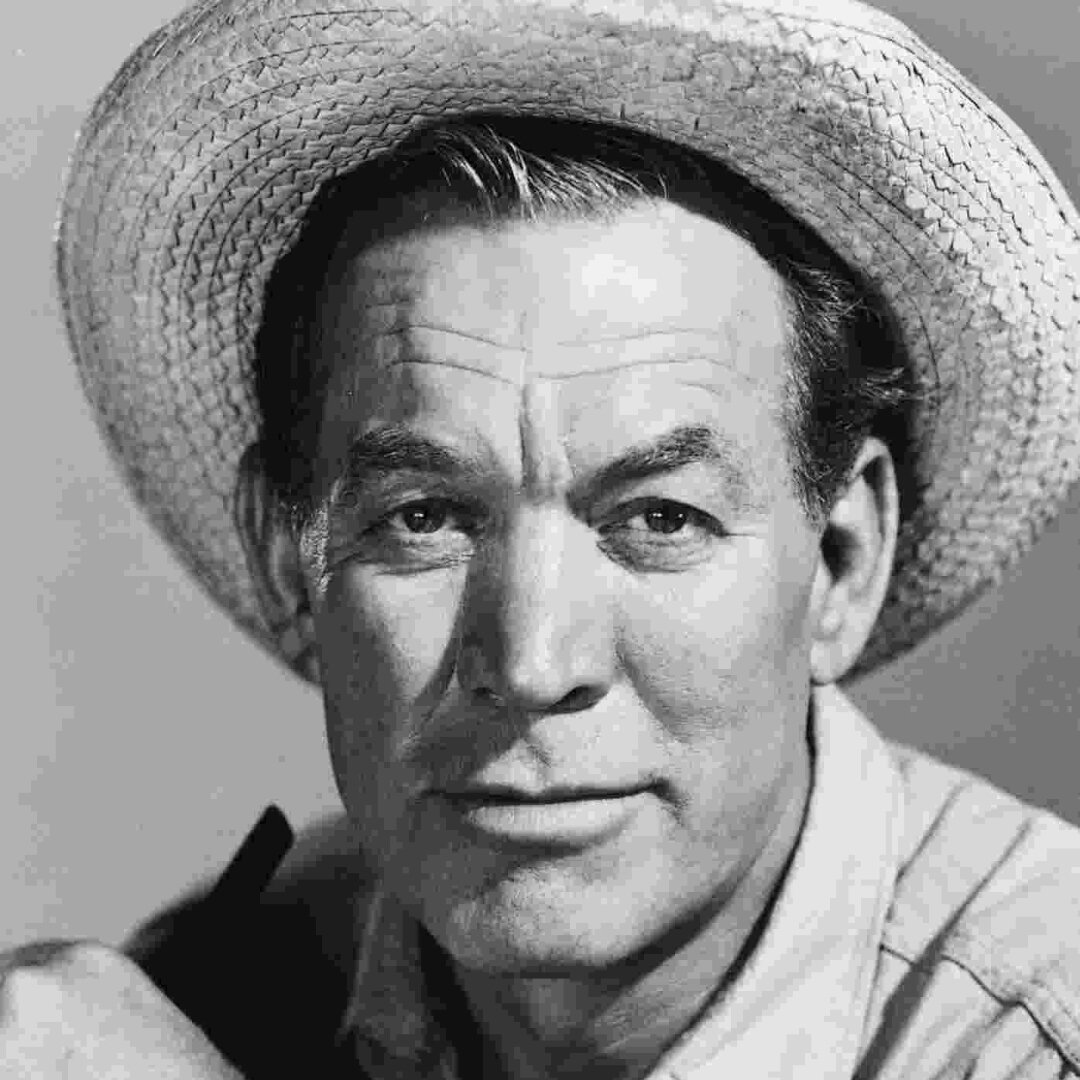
[[660, 534], [663, 517], [424, 517], [415, 534], [427, 518], [666, 518]]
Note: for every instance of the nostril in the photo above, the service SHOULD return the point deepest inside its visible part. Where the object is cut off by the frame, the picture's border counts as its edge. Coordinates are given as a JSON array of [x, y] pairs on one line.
[[533, 678], [488, 696], [581, 697]]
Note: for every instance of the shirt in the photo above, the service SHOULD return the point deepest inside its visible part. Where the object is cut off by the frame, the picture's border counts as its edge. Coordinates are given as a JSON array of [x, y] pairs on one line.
[[927, 927]]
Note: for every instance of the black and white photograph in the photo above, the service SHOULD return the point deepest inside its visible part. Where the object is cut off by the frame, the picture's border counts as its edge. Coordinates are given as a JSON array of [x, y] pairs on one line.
[[545, 540]]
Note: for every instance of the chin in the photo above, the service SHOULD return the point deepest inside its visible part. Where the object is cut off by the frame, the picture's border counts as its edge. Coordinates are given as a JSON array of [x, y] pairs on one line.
[[513, 932], [531, 956]]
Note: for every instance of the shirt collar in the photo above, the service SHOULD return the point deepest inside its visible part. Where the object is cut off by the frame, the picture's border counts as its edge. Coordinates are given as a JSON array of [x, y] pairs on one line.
[[798, 1008], [392, 1015]]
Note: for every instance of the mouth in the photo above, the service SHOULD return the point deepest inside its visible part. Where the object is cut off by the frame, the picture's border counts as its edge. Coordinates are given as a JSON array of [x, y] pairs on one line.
[[560, 816], [502, 793]]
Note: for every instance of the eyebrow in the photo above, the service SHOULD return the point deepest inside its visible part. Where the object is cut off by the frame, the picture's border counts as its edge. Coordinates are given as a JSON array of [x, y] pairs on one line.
[[383, 452], [689, 444], [393, 449]]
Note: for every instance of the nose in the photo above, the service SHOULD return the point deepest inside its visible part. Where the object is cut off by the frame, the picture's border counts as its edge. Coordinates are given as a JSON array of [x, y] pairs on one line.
[[537, 628]]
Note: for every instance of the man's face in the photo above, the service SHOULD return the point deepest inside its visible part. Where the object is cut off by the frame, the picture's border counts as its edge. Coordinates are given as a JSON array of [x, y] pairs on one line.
[[561, 578]]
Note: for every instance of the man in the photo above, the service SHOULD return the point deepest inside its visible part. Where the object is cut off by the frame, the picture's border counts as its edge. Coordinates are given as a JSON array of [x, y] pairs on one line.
[[575, 397]]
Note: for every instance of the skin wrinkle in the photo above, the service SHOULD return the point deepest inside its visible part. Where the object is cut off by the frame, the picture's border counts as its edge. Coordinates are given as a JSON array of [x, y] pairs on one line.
[[557, 377], [388, 451], [546, 468], [741, 320], [571, 349], [452, 364], [409, 327], [599, 339], [528, 364], [402, 306]]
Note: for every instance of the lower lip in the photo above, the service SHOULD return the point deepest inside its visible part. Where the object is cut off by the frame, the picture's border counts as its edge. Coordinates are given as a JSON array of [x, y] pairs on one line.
[[574, 822]]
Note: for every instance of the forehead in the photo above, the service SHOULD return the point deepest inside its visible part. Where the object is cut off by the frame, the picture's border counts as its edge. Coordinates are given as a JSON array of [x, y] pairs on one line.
[[649, 317], [539, 288]]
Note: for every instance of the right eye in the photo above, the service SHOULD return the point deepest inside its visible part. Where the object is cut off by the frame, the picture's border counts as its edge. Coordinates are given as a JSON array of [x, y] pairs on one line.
[[421, 534], [424, 517]]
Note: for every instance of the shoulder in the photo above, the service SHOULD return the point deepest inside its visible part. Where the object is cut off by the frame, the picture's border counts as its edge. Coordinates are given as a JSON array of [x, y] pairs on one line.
[[323, 880], [985, 917], [285, 953], [317, 886]]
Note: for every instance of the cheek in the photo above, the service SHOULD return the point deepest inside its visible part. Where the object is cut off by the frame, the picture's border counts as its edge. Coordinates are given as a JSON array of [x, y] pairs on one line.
[[698, 646], [386, 646], [720, 662]]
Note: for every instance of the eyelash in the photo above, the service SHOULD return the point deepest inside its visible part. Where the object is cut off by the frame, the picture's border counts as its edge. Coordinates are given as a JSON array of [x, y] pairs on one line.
[[389, 543], [628, 512], [692, 515], [616, 537], [462, 510]]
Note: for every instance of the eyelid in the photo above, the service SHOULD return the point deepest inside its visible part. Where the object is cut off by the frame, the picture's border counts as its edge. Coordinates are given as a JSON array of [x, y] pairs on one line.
[[690, 483], [634, 507], [384, 495], [378, 541], [470, 517], [455, 506]]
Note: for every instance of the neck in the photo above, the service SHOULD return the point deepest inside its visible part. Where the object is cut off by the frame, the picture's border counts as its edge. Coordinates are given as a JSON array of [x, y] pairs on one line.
[[615, 1025]]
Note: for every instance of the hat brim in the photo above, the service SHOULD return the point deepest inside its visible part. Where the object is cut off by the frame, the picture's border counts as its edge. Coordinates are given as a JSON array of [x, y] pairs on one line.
[[196, 165]]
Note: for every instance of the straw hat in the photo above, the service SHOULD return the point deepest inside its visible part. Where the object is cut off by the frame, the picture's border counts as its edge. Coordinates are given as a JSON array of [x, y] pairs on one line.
[[194, 169]]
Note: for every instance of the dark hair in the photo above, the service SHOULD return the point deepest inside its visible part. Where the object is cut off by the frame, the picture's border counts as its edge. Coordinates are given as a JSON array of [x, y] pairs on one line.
[[847, 375]]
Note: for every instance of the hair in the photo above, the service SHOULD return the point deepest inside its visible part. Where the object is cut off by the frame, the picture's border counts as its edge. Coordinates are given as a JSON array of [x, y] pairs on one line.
[[847, 376]]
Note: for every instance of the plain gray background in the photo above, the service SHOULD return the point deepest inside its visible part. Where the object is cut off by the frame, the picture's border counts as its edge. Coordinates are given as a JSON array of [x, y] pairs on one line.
[[143, 735]]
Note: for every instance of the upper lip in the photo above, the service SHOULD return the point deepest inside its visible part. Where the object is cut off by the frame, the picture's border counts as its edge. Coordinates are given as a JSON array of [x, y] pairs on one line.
[[550, 794]]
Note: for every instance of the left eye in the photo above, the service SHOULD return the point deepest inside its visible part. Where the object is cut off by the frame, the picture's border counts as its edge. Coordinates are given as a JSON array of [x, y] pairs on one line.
[[666, 518], [660, 534]]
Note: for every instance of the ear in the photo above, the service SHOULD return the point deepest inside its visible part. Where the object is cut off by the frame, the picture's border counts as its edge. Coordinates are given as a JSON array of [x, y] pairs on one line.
[[272, 549], [854, 563]]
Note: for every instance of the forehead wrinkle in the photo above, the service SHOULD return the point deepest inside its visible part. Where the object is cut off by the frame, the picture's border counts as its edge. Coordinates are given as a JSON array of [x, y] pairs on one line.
[[439, 328], [677, 345], [616, 366], [718, 391], [400, 300], [641, 335], [405, 345], [544, 461], [456, 365]]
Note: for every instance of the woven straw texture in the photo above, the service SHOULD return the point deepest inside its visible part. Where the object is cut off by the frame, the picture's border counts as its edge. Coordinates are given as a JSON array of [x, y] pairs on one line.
[[194, 168]]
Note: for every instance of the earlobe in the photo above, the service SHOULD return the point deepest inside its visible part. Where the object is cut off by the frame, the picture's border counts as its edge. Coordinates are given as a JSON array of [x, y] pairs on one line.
[[854, 563], [273, 559]]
